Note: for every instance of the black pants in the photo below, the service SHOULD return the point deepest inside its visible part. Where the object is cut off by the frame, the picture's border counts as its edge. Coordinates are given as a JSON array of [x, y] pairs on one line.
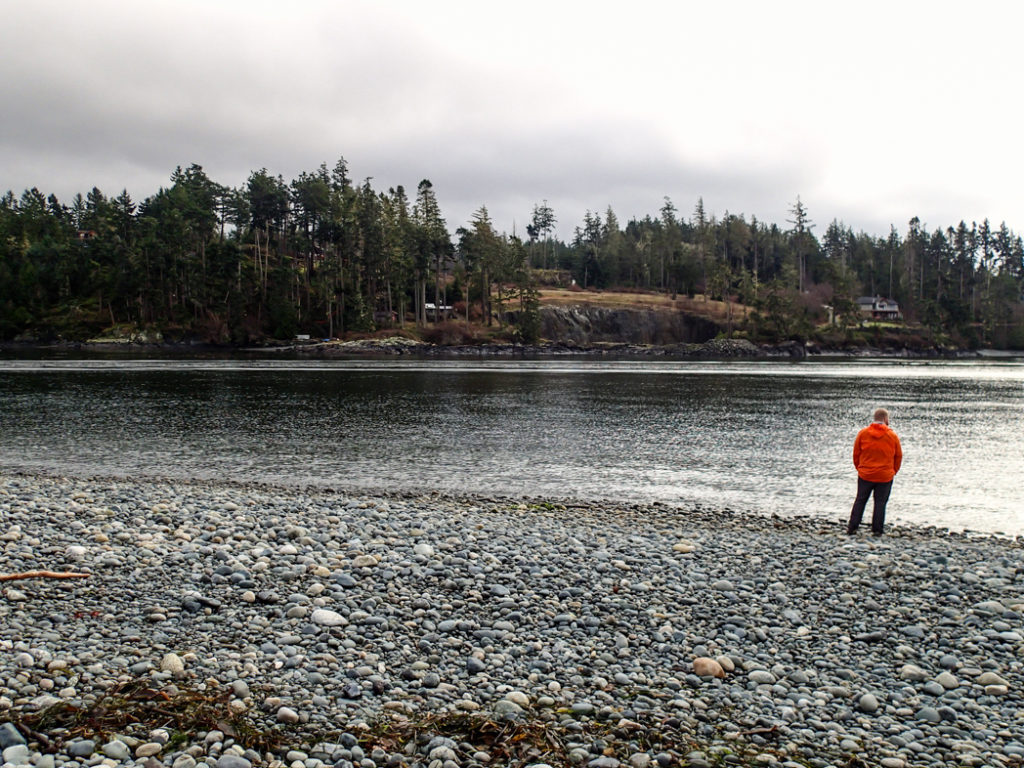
[[865, 489]]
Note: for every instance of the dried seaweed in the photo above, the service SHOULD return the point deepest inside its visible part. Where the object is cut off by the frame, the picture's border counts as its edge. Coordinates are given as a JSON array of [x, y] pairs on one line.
[[184, 712], [136, 704]]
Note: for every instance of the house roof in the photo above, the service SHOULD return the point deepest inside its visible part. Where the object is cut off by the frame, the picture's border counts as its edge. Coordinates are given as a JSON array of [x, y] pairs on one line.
[[877, 300]]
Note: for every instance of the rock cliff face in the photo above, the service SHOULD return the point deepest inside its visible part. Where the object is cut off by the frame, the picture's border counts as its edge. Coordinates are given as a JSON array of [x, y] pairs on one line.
[[590, 325]]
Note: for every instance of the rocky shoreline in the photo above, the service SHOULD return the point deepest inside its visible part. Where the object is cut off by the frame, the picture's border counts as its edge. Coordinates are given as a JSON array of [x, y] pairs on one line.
[[317, 628], [399, 346], [715, 349]]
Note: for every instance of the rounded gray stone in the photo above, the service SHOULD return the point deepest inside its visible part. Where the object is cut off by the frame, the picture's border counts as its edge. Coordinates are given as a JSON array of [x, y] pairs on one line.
[[9, 736], [17, 754], [82, 748], [117, 750], [867, 703]]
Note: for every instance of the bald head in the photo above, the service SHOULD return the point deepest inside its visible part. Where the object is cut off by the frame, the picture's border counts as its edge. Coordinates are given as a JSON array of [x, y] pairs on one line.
[[881, 415]]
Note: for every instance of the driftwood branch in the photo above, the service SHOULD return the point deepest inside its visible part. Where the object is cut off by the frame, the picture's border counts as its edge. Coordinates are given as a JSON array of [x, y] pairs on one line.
[[43, 575]]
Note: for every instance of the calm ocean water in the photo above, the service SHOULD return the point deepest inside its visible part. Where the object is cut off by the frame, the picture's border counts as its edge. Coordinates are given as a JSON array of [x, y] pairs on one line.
[[770, 437]]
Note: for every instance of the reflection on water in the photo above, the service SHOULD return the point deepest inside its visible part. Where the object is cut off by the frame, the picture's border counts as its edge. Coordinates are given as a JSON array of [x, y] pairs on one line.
[[769, 437]]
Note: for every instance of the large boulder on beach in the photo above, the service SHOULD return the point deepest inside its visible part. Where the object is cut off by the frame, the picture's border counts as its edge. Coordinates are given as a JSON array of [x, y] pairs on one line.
[[913, 673], [328, 618], [173, 663], [704, 666]]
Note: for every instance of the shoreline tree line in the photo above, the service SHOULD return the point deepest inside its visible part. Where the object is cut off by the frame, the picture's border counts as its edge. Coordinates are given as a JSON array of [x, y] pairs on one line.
[[326, 256]]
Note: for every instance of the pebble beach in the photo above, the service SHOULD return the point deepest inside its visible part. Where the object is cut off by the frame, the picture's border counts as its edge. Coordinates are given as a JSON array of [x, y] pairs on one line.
[[400, 630]]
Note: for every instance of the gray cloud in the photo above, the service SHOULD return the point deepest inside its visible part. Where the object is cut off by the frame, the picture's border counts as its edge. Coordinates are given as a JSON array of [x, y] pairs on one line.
[[116, 95]]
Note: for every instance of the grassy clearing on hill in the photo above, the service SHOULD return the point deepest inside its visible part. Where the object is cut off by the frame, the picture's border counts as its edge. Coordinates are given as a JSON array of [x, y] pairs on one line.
[[698, 305]]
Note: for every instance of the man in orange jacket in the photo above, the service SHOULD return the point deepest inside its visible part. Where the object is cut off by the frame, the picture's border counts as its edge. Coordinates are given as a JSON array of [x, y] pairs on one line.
[[877, 455]]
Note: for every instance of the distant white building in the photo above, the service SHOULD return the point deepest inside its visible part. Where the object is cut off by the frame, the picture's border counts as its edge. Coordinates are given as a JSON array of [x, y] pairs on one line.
[[444, 310], [877, 308]]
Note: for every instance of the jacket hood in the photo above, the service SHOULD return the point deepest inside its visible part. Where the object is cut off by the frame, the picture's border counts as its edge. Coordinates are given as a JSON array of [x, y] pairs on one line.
[[877, 426]]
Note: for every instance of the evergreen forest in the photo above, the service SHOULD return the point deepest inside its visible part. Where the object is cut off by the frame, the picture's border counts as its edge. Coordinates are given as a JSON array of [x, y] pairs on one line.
[[324, 256]]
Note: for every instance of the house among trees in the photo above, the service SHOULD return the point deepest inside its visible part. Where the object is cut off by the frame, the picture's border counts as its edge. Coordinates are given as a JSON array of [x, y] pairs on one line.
[[877, 308], [436, 312]]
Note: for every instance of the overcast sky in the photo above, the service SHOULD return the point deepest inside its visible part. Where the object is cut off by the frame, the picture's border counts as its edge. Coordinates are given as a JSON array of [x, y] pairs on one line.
[[871, 112]]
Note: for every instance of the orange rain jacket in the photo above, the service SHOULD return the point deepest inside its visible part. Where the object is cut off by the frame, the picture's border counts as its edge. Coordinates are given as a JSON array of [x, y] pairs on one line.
[[877, 454]]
